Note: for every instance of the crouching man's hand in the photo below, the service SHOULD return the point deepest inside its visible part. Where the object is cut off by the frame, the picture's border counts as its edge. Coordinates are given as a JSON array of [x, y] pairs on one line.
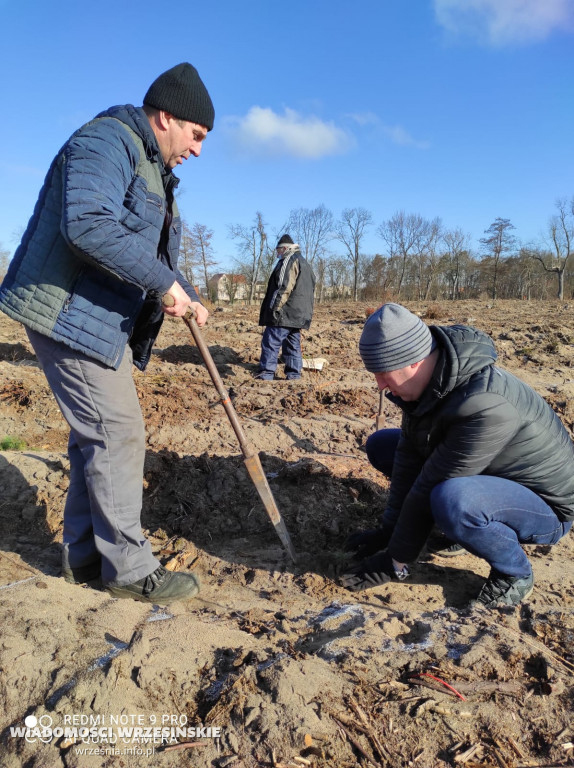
[[362, 544], [374, 571]]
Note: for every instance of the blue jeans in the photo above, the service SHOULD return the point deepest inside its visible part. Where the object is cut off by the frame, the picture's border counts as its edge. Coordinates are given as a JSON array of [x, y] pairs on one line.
[[106, 451], [288, 340], [489, 516]]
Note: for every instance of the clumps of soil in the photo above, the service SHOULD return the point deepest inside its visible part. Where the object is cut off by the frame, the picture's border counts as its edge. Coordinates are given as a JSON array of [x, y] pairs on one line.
[[15, 393], [295, 669], [212, 501]]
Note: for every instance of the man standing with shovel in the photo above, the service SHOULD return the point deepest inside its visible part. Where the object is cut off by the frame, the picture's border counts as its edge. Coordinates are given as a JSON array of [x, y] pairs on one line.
[[87, 281]]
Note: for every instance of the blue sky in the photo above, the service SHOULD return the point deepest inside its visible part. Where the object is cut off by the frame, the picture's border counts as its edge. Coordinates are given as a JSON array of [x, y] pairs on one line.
[[458, 109]]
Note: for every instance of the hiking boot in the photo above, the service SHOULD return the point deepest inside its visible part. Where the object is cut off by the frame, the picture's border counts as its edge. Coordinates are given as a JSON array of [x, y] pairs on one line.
[[161, 586], [372, 572], [441, 545], [500, 589], [83, 573], [448, 549]]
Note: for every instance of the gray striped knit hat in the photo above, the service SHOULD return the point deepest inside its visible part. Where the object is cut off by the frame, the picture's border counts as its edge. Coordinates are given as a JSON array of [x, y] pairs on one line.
[[393, 338]]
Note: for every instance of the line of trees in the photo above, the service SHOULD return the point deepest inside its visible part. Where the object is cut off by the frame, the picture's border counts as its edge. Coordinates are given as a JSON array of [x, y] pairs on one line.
[[420, 259]]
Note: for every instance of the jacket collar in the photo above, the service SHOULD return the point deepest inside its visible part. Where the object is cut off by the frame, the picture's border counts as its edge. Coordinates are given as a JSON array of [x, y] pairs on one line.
[[137, 120]]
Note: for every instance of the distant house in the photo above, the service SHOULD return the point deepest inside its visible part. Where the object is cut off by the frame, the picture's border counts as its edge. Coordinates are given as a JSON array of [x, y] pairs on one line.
[[334, 292], [228, 288]]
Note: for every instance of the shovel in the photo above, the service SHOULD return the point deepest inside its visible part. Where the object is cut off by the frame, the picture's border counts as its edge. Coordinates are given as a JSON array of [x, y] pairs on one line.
[[251, 458]]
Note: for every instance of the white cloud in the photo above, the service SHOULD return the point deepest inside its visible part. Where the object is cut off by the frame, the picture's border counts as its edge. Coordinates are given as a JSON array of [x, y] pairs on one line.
[[396, 133], [264, 132], [365, 118], [501, 22], [399, 135]]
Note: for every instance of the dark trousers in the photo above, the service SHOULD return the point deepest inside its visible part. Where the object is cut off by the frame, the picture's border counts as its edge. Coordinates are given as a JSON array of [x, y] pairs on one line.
[[288, 340], [489, 516]]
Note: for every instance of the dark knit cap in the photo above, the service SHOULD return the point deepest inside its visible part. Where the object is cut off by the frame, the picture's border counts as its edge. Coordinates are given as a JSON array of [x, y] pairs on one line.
[[285, 240], [181, 92], [394, 338]]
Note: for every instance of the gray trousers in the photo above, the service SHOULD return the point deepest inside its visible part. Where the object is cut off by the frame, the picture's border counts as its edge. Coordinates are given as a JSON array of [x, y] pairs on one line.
[[102, 514]]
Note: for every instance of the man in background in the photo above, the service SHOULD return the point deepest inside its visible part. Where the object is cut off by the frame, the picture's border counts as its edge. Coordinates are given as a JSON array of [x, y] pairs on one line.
[[286, 309], [87, 282]]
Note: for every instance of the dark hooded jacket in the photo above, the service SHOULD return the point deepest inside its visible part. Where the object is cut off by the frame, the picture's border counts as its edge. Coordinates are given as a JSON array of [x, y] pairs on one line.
[[472, 419], [289, 298], [102, 245]]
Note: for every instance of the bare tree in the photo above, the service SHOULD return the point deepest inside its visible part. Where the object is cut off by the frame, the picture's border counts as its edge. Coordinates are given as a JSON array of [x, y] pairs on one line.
[[320, 269], [18, 234], [519, 277], [267, 265], [561, 237], [4, 261], [527, 282], [312, 229], [337, 272], [350, 231], [428, 257], [498, 243], [405, 235], [454, 260], [201, 238], [253, 247], [231, 285], [188, 260], [378, 277]]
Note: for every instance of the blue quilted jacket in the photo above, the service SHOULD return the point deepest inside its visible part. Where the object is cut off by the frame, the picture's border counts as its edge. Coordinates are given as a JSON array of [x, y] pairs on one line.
[[102, 245]]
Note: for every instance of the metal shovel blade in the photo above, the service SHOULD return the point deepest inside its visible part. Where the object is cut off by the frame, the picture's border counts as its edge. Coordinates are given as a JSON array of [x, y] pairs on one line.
[[252, 461], [256, 473]]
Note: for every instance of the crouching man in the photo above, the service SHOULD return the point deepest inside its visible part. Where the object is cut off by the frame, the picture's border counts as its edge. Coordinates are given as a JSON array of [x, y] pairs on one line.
[[480, 455]]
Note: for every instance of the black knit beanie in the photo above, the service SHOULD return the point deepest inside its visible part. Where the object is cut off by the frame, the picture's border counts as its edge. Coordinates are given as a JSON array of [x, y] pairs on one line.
[[181, 92], [285, 240]]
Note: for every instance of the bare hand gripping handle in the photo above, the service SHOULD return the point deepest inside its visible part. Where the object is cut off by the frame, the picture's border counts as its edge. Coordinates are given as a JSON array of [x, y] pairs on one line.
[[251, 458]]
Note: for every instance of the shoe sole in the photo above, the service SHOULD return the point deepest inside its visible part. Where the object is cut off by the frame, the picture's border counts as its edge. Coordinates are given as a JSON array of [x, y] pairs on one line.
[[447, 553], [123, 595], [151, 601], [527, 595]]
